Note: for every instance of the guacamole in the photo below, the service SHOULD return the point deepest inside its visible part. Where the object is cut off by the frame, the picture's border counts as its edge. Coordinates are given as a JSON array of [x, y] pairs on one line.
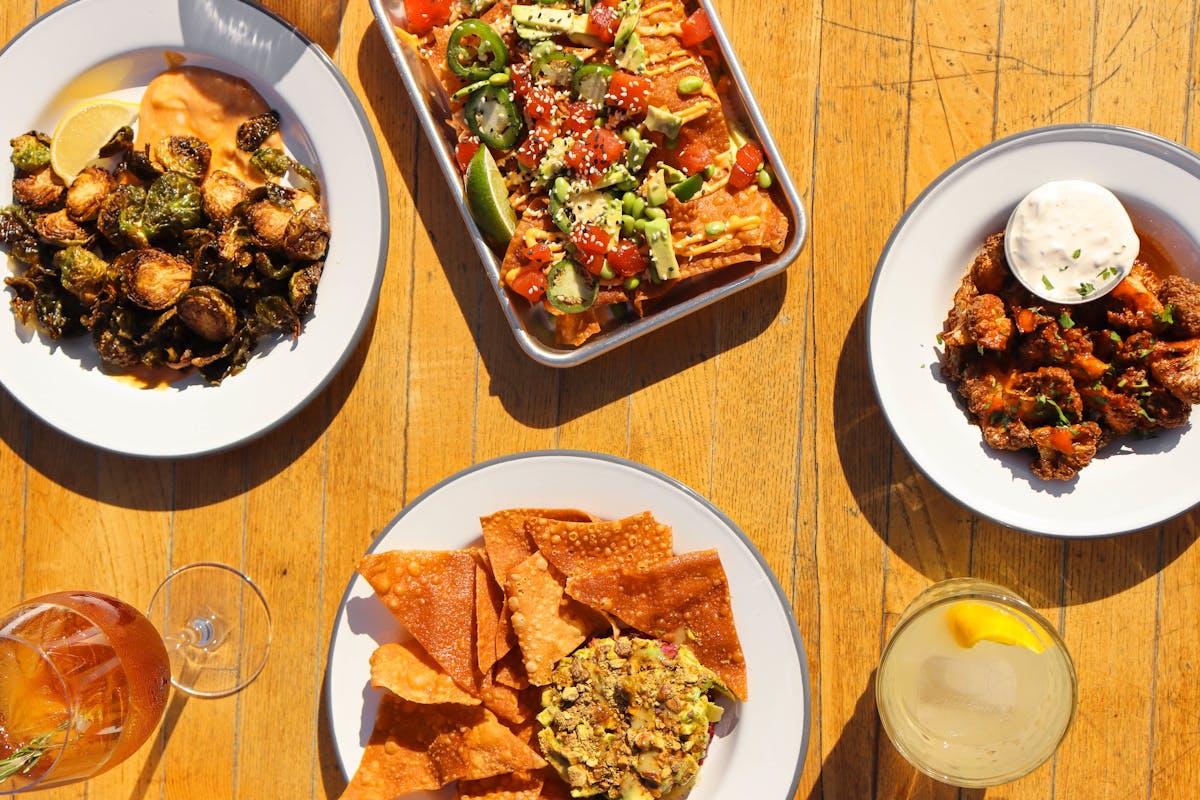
[[627, 718]]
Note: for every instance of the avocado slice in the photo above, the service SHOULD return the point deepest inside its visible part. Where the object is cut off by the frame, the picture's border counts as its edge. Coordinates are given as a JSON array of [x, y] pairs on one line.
[[662, 253], [635, 157], [665, 122]]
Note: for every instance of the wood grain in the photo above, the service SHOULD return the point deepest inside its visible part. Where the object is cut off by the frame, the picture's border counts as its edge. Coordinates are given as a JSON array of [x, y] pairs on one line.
[[763, 403]]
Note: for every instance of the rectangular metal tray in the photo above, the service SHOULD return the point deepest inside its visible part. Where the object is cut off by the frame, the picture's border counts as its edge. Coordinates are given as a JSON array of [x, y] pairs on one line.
[[527, 322]]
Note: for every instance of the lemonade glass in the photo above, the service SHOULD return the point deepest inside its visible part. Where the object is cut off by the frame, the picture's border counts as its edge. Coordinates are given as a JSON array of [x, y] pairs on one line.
[[974, 688]]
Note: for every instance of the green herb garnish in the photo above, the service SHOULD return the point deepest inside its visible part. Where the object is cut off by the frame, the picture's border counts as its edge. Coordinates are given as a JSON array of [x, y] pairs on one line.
[[1166, 316], [1085, 289], [1045, 400], [1076, 253], [27, 756], [1065, 321]]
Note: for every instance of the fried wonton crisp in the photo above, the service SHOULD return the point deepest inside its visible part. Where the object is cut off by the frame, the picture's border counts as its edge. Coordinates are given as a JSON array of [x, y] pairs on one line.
[[407, 671], [684, 599], [432, 593], [516, 786], [548, 625], [396, 760], [507, 542], [480, 747], [576, 547]]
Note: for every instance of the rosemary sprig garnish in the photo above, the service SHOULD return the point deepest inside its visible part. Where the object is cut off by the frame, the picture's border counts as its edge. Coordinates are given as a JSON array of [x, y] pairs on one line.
[[27, 756]]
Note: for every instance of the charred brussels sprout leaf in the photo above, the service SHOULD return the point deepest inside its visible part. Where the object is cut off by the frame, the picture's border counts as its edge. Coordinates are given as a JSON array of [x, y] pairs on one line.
[[121, 142], [271, 161], [254, 131], [173, 205], [187, 155], [17, 236], [274, 314], [120, 215], [30, 151], [85, 274], [302, 287]]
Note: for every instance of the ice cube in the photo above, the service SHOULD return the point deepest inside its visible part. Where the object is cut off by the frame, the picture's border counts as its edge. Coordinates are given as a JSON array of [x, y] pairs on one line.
[[979, 686]]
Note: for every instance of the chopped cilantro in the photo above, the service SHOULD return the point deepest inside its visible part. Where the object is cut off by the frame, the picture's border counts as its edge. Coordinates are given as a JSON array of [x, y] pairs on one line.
[[1046, 282], [1076, 253], [1045, 400], [1116, 337], [1065, 321], [1166, 316], [1145, 414], [1085, 289], [940, 340]]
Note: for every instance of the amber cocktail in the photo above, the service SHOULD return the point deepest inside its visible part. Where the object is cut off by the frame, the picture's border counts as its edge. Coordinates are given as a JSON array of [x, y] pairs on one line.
[[84, 679]]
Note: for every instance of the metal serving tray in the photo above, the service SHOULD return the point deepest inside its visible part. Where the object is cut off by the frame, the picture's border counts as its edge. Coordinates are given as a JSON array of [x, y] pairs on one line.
[[528, 322]]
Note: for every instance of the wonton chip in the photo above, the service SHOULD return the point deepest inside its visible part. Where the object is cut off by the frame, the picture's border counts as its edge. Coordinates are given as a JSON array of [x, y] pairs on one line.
[[514, 786], [407, 671], [510, 671], [480, 748], [489, 614], [505, 538], [576, 547], [395, 760], [548, 625], [432, 593], [683, 599]]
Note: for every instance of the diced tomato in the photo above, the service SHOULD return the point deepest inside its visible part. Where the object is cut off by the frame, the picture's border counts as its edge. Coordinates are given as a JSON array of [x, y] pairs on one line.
[[425, 15], [540, 254], [464, 151], [628, 91], [581, 118], [749, 158], [590, 239], [695, 29], [539, 103], [595, 153], [603, 22], [693, 156], [626, 259], [530, 284]]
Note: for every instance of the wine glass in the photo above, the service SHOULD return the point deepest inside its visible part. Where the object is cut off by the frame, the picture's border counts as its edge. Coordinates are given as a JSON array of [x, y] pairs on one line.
[[84, 676]]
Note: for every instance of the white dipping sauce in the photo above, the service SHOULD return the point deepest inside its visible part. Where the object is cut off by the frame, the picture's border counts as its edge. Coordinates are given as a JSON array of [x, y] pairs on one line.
[[1070, 241]]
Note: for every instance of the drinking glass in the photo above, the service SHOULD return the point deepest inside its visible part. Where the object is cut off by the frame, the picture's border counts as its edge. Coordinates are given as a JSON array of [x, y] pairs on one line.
[[84, 676], [974, 688]]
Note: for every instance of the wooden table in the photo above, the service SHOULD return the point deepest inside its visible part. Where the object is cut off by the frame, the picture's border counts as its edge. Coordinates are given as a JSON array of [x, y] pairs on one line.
[[763, 404]]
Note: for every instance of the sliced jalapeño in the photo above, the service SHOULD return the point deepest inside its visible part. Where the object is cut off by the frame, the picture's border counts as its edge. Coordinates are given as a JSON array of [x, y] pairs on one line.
[[493, 116], [475, 51]]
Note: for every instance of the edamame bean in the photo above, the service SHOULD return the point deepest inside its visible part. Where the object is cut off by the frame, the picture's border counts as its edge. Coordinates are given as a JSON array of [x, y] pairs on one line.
[[606, 272], [690, 84], [714, 229], [639, 224], [655, 213], [764, 179], [627, 223], [709, 171], [632, 283], [499, 79]]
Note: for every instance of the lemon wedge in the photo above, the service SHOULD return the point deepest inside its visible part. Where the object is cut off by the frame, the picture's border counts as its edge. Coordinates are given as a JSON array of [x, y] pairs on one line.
[[83, 131], [972, 622]]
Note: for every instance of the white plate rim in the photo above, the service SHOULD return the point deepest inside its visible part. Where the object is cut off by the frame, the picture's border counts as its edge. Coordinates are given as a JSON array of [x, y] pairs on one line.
[[249, 423], [355, 582], [1123, 137]]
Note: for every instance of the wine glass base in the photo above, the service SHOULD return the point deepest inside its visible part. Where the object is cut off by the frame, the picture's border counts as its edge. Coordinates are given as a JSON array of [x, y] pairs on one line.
[[216, 625]]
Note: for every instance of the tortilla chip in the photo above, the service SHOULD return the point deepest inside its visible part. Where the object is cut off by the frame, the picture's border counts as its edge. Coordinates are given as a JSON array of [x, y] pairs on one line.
[[489, 612], [576, 547], [683, 599], [515, 786], [395, 760], [432, 593], [407, 671], [505, 538], [548, 625], [479, 747], [689, 219]]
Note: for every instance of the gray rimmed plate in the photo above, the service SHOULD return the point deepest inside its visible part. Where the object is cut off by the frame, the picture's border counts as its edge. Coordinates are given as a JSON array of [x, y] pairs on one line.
[[1131, 484], [528, 323], [775, 719]]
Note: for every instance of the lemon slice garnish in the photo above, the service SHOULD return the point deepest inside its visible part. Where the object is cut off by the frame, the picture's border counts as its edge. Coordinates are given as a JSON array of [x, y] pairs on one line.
[[972, 622], [83, 131]]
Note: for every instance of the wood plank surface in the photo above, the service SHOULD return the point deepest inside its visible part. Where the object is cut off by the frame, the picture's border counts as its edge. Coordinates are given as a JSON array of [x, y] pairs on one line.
[[763, 403]]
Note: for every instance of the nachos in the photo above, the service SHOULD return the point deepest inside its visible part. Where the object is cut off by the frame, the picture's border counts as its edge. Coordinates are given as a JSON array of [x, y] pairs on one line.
[[598, 149], [560, 619]]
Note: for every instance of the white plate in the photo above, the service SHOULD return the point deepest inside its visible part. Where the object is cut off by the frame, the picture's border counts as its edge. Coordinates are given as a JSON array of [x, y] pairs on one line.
[[759, 757], [1131, 484], [323, 125]]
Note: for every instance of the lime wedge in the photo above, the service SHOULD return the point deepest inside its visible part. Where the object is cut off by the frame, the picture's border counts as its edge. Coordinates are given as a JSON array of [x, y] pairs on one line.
[[487, 197], [972, 622]]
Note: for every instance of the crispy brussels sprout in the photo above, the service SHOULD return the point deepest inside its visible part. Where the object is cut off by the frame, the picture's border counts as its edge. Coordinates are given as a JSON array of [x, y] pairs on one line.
[[152, 278], [172, 205], [120, 217], [30, 151], [87, 192], [272, 268], [141, 166], [275, 163], [302, 287], [40, 190], [85, 274], [221, 193], [208, 312], [307, 235], [269, 222], [24, 293], [273, 313], [17, 236], [254, 131], [187, 155], [121, 142], [58, 229], [114, 349]]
